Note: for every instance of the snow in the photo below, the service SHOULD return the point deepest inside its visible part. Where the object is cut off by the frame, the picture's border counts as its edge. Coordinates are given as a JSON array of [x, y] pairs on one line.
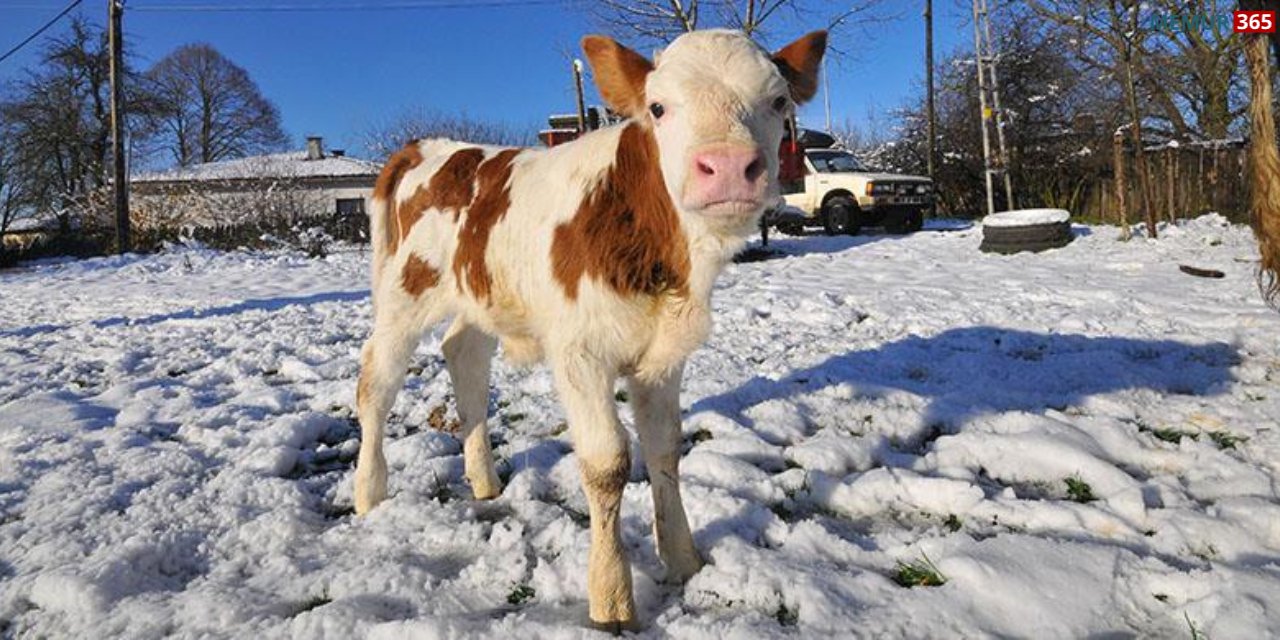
[[293, 164], [176, 443], [1022, 217]]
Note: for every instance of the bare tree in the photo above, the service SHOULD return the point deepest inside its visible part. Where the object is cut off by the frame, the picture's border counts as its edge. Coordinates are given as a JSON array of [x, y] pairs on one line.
[[209, 109], [12, 206], [1112, 40], [653, 21], [1058, 120], [382, 138], [657, 22], [1195, 68], [58, 124]]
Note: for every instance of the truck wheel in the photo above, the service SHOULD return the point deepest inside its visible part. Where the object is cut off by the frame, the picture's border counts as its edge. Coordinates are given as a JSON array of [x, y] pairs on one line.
[[839, 216], [915, 221]]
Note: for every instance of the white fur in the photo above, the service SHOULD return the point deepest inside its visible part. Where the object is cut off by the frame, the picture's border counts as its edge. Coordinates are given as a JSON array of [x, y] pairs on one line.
[[719, 88]]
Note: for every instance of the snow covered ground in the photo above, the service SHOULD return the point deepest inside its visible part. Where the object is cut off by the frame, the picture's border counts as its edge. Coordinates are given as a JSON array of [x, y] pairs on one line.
[[1081, 442]]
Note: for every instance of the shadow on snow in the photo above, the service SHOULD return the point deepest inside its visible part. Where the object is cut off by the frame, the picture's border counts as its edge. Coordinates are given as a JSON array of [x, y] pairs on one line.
[[982, 370], [261, 304]]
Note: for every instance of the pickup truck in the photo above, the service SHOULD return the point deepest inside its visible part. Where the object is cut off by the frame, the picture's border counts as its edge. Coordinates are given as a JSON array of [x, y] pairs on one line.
[[837, 193]]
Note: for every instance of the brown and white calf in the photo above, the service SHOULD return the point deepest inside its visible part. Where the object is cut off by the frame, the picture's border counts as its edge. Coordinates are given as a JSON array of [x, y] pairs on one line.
[[597, 256]]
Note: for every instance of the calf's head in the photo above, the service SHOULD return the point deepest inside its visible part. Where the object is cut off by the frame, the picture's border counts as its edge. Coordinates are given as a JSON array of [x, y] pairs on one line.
[[714, 104]]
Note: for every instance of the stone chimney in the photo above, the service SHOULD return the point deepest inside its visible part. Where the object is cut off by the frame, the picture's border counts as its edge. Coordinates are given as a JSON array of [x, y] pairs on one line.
[[315, 148]]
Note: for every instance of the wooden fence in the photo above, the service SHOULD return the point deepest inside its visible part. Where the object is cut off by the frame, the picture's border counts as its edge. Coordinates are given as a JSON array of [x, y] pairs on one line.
[[1186, 180]]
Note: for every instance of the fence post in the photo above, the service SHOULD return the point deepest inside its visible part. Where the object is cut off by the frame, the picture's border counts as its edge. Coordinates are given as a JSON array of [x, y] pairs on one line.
[[1122, 214]]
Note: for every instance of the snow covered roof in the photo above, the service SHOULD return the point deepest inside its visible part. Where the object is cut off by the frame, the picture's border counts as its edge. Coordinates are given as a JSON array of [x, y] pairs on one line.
[[292, 164]]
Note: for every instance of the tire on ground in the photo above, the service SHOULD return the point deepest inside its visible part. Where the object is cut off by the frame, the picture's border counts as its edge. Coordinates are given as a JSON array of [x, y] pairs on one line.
[[1031, 237]]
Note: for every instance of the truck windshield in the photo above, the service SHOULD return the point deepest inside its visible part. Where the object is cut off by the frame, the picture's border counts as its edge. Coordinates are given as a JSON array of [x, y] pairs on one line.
[[834, 162]]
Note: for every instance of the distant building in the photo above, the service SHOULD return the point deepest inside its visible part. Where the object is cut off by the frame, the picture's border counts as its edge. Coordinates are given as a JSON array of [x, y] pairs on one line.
[[564, 127], [290, 185]]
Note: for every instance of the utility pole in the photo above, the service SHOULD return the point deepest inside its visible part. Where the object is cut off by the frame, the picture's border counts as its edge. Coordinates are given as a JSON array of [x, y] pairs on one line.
[[826, 93], [115, 10], [582, 107], [931, 114], [995, 98], [989, 102]]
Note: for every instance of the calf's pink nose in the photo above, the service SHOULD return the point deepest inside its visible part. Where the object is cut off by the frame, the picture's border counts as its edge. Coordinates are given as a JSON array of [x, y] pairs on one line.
[[729, 164], [728, 174]]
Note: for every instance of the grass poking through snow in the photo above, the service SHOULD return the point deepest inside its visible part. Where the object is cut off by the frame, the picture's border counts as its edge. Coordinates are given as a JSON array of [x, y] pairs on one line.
[[521, 594], [919, 573], [1196, 634], [1078, 490], [1226, 440], [952, 523], [786, 617]]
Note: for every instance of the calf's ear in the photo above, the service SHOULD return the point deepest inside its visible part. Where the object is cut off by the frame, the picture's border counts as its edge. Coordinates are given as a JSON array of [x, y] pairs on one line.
[[800, 62], [619, 73]]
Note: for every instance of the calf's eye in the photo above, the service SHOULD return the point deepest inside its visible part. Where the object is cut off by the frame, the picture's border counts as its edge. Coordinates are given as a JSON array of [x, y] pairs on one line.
[[779, 103], [657, 110]]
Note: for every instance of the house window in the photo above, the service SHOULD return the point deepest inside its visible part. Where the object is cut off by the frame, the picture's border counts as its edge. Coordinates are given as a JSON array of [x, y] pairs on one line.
[[350, 206]]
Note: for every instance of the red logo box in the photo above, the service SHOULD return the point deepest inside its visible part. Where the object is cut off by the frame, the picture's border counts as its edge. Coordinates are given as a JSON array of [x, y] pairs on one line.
[[1253, 21]]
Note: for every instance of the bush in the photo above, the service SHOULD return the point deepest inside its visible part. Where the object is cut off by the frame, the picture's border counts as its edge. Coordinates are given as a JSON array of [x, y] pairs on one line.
[[313, 235]]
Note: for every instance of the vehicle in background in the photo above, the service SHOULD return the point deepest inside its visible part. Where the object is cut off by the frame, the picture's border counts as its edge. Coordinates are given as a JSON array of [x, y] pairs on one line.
[[829, 187]]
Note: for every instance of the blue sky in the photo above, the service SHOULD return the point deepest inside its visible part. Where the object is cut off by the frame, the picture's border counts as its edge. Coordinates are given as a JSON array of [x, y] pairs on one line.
[[331, 72]]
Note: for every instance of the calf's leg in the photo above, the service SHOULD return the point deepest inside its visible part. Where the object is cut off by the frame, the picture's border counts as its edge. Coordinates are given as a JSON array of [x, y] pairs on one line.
[[468, 354], [398, 323], [657, 414], [586, 390]]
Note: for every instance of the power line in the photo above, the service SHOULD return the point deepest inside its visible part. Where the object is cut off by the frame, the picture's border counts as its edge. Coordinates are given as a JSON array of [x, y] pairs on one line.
[[40, 30], [317, 8]]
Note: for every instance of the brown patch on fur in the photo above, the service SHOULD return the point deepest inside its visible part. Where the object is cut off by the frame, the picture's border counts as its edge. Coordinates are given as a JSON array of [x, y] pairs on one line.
[[418, 275], [451, 187], [626, 232], [1264, 167], [400, 163], [607, 482], [619, 73], [800, 62], [493, 198]]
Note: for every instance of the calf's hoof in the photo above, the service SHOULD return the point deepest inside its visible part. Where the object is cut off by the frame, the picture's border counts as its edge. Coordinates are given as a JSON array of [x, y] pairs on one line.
[[616, 627], [486, 488], [614, 615], [369, 493], [366, 500], [679, 572]]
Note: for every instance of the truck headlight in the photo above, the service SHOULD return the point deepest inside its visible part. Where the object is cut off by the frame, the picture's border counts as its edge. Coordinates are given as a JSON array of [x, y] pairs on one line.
[[879, 188]]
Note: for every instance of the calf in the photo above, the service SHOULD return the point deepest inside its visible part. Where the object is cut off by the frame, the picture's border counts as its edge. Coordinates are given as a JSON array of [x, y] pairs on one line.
[[597, 256]]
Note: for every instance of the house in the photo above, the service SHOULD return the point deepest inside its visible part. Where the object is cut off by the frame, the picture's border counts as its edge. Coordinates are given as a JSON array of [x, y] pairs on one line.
[[564, 127], [281, 186]]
